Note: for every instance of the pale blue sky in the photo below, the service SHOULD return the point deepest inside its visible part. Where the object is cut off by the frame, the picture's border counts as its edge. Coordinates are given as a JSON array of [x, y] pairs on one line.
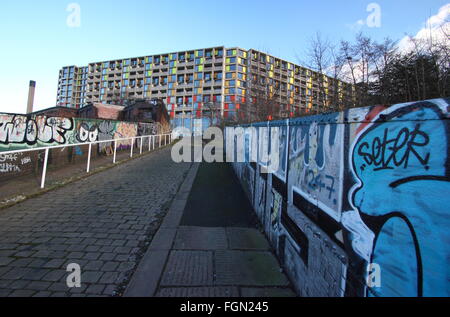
[[36, 41]]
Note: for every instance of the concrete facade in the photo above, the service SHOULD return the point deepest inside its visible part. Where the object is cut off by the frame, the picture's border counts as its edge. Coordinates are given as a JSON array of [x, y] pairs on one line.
[[198, 83]]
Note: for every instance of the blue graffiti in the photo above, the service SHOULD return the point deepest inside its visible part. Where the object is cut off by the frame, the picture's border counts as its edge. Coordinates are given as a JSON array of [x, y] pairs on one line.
[[401, 162]]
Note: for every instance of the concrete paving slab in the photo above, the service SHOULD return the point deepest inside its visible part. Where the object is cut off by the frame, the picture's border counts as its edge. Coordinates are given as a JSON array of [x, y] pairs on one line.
[[200, 238], [248, 268], [189, 268], [246, 239]]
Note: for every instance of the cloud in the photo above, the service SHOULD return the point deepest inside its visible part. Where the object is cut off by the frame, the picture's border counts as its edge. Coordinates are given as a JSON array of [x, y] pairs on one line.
[[436, 29]]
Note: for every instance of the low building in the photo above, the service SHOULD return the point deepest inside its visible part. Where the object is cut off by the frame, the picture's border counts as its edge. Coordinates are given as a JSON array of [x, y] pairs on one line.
[[57, 112], [101, 111], [147, 111]]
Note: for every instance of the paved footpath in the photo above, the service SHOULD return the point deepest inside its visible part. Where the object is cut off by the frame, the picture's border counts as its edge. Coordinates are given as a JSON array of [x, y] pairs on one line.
[[209, 244], [104, 223]]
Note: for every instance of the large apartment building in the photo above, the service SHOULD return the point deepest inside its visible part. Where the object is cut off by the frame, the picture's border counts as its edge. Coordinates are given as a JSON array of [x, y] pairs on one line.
[[227, 80]]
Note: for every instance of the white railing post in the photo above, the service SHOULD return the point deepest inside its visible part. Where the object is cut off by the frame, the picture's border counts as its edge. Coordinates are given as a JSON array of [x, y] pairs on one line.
[[115, 151], [132, 144], [153, 141], [89, 158], [44, 169], [142, 139], [149, 142], [159, 141]]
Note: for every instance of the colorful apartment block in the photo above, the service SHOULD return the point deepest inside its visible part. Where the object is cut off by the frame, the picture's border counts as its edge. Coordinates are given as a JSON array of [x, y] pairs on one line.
[[198, 83]]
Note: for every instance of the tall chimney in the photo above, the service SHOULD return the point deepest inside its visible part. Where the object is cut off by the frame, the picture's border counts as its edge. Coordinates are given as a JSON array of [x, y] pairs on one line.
[[31, 89]]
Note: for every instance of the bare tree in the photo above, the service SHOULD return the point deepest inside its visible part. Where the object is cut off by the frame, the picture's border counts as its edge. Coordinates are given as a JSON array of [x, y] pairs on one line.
[[320, 60]]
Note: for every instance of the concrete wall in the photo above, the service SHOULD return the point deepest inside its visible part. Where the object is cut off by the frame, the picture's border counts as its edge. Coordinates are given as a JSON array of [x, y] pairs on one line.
[[22, 132], [365, 186]]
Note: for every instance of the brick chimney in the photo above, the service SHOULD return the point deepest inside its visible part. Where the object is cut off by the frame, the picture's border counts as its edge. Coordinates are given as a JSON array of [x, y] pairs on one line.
[[30, 102]]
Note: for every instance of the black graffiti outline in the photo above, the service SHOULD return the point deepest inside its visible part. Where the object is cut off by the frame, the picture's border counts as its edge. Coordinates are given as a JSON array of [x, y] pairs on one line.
[[382, 161], [386, 218]]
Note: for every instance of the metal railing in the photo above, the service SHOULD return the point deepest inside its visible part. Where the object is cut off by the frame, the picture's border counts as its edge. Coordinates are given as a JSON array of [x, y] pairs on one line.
[[152, 142]]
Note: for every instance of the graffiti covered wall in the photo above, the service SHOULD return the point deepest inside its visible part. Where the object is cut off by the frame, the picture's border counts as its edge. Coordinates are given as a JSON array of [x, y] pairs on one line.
[[356, 193], [22, 132]]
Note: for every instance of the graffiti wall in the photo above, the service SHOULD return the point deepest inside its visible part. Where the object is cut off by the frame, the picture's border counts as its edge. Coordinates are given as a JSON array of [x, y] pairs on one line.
[[22, 132], [359, 203]]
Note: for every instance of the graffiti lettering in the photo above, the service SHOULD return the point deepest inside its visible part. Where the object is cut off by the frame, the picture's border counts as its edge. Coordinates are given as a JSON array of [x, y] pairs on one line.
[[390, 152], [20, 129]]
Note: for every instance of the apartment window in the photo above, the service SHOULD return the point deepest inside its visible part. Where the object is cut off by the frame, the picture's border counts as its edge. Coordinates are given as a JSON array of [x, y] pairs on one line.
[[218, 76], [182, 57], [231, 52], [230, 83], [241, 68], [180, 79], [207, 77], [219, 53]]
